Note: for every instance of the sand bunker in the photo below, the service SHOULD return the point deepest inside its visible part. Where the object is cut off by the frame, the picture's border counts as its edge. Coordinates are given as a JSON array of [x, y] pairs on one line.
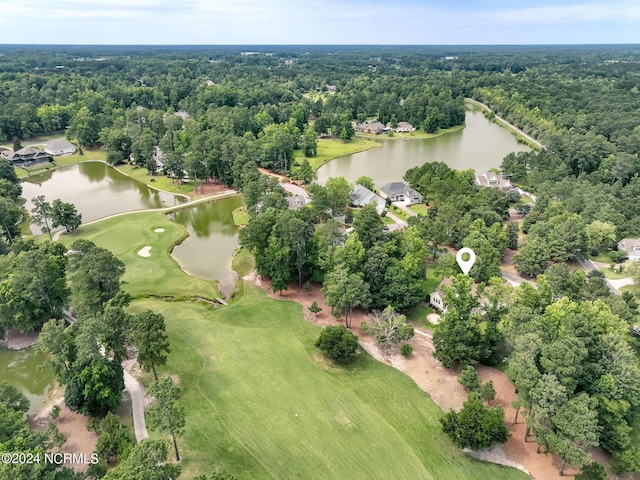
[[433, 318], [159, 230], [145, 251]]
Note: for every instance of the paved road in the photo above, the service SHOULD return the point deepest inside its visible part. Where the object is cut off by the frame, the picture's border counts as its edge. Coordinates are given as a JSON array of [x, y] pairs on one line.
[[132, 386], [589, 266]]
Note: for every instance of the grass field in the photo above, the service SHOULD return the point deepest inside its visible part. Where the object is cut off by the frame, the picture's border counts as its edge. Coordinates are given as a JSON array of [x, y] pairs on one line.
[[243, 262], [418, 314], [420, 209], [398, 212], [160, 182], [328, 149], [240, 216], [262, 403], [158, 274]]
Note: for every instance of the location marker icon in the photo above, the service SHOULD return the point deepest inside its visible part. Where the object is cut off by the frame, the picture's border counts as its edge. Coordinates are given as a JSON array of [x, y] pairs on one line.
[[465, 265]]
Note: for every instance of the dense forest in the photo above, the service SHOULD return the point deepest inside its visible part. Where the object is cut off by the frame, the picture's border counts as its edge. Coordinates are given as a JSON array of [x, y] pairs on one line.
[[220, 113]]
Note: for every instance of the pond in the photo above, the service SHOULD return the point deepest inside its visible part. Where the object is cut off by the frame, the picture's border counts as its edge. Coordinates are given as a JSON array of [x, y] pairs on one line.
[[20, 369], [96, 189], [213, 238], [481, 145]]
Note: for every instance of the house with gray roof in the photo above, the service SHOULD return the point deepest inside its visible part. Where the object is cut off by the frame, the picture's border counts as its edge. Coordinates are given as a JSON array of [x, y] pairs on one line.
[[59, 146], [632, 247], [495, 180], [25, 157], [296, 202], [363, 196], [400, 192]]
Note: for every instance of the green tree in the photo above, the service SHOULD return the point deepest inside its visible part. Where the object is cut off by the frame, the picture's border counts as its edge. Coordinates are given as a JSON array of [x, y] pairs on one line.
[[42, 214], [592, 471], [512, 235], [94, 274], [310, 142], [389, 328], [369, 226], [114, 441], [147, 461], [10, 215], [345, 290], [476, 427], [306, 172], [366, 182], [148, 333], [458, 338], [95, 388], [338, 343], [469, 378], [315, 308], [576, 431], [532, 258], [338, 192], [600, 235], [65, 215], [165, 414], [13, 398], [487, 391]]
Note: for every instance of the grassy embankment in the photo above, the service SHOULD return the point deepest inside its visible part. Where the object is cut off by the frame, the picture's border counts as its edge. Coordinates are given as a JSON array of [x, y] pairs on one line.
[[420, 209], [240, 216], [63, 161], [329, 149], [260, 401]]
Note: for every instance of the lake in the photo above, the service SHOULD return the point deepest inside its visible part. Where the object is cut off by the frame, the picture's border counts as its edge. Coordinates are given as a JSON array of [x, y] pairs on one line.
[[481, 145]]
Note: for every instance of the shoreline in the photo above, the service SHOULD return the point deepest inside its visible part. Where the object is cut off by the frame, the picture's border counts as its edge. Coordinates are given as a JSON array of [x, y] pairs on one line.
[[509, 126]]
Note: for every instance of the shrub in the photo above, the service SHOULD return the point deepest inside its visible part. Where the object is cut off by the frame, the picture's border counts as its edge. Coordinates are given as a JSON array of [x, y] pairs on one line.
[[592, 471], [406, 349], [487, 392], [338, 343], [618, 256], [469, 379]]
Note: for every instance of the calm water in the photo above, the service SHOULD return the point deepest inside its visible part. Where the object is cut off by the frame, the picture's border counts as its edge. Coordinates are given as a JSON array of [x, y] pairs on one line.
[[213, 238], [96, 190], [20, 368], [481, 145]]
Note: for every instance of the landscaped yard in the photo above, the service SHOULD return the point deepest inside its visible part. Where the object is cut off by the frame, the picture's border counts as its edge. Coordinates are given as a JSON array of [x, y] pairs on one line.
[[261, 402], [63, 161], [398, 212], [418, 314], [420, 209], [161, 182]]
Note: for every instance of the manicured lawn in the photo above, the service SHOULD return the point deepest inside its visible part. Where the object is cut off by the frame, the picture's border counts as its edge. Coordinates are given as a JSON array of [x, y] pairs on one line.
[[413, 135], [240, 216], [160, 182], [158, 274], [388, 220], [398, 212], [419, 314], [243, 262], [603, 256], [420, 209], [262, 403], [329, 148], [615, 274]]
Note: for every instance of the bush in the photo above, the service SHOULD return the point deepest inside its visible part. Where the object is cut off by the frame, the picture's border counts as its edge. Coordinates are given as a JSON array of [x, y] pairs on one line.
[[627, 461], [338, 343], [487, 392], [406, 349], [592, 471], [617, 256], [469, 379]]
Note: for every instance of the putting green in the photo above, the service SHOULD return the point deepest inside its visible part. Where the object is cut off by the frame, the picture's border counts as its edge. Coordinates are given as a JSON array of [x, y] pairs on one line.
[[158, 274]]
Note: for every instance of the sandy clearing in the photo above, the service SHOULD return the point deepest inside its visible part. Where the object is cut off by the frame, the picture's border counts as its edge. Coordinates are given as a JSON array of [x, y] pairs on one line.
[[145, 251], [159, 230]]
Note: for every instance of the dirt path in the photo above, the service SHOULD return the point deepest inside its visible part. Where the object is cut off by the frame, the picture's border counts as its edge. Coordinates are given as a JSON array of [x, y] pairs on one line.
[[441, 385]]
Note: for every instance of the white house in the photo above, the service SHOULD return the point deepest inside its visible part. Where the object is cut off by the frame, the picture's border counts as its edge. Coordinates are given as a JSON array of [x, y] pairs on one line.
[[632, 247], [400, 192], [59, 146]]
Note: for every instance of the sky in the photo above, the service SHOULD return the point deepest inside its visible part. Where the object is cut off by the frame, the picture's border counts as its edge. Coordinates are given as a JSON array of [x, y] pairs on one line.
[[247, 22]]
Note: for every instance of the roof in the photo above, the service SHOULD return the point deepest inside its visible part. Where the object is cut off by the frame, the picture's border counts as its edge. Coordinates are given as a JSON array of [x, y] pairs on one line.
[[630, 245], [296, 202], [28, 151], [363, 196], [492, 179], [59, 144], [395, 187]]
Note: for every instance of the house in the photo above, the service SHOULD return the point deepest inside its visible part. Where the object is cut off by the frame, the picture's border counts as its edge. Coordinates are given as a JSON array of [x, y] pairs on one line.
[[400, 192], [25, 157], [404, 127], [59, 146], [375, 128], [632, 247], [436, 299], [296, 202], [492, 179], [363, 196]]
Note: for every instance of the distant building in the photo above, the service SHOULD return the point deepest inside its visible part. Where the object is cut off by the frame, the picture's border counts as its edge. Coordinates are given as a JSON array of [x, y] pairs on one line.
[[375, 128], [495, 180], [26, 157], [436, 299], [363, 196], [632, 247], [400, 192], [59, 146], [404, 127]]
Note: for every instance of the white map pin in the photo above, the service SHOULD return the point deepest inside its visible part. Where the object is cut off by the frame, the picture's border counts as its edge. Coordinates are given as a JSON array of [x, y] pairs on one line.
[[465, 265]]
